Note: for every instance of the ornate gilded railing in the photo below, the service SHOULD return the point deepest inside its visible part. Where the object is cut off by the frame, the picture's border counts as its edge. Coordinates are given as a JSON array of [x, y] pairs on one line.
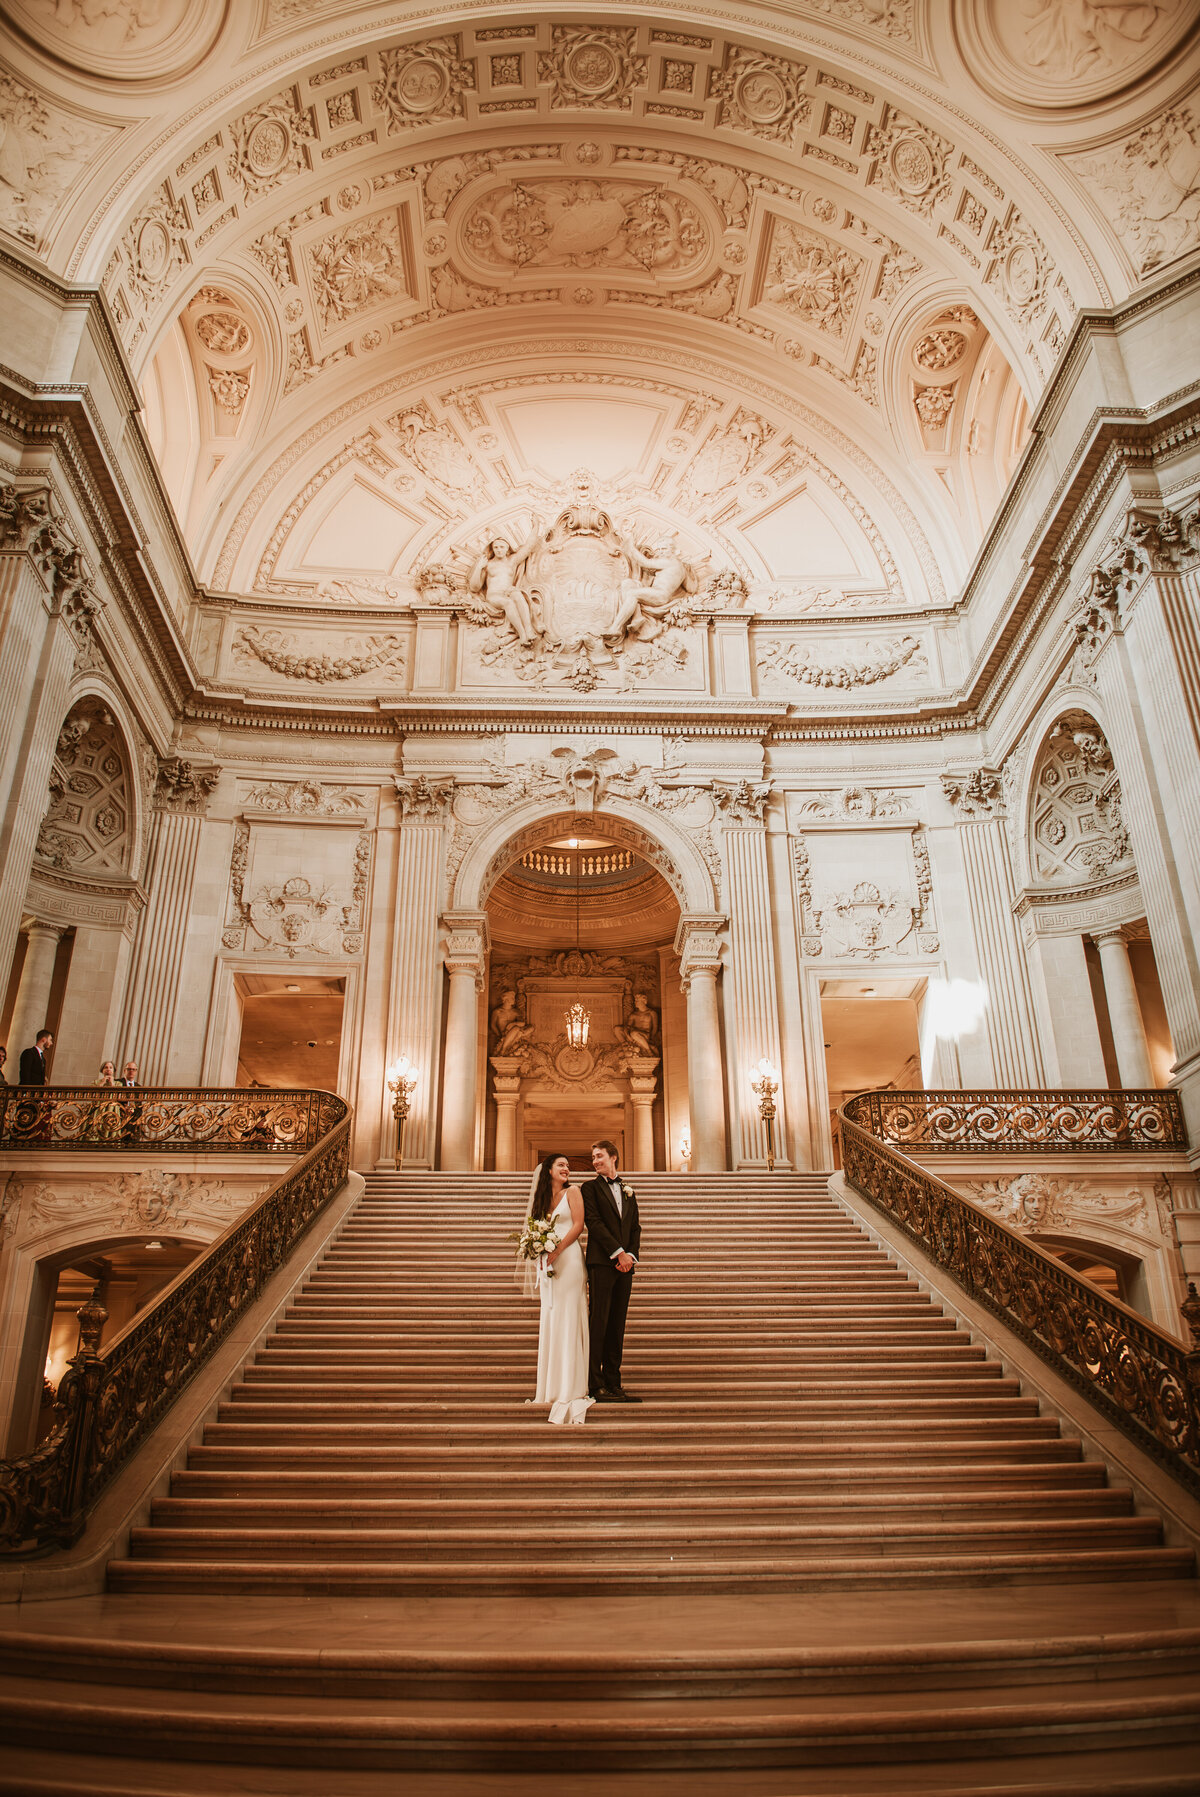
[[113, 1399], [1140, 1377], [168, 1119], [1045, 1122]]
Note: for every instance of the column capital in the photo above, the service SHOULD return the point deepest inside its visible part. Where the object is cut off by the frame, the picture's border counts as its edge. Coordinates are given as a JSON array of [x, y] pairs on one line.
[[39, 926], [1114, 932], [975, 792], [466, 945], [698, 943]]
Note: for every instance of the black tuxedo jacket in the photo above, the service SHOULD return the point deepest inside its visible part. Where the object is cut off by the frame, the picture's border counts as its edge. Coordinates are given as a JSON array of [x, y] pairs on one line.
[[33, 1068], [606, 1230]]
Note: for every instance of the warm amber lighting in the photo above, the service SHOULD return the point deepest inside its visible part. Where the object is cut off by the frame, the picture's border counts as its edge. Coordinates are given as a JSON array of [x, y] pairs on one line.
[[685, 1149], [764, 1088], [579, 1022], [402, 1077]]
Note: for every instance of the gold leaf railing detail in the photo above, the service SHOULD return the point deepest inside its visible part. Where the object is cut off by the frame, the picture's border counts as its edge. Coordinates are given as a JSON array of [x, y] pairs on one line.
[[167, 1119], [1143, 1379], [113, 1398], [1017, 1122]]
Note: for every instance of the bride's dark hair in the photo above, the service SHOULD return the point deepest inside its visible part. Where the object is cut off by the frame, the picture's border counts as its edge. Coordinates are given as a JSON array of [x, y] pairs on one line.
[[543, 1197]]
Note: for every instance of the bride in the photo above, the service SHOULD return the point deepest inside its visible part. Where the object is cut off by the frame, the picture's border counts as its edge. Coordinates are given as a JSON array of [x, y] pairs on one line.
[[562, 1375]]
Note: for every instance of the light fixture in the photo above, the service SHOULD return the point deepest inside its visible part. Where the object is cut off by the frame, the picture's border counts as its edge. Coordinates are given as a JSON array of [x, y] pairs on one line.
[[685, 1148], [292, 988], [402, 1077], [578, 1018], [764, 1089]]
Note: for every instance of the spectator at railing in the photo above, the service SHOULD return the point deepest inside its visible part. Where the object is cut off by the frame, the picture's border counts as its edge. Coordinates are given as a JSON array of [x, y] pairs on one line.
[[105, 1120], [33, 1060], [3, 1058], [133, 1112]]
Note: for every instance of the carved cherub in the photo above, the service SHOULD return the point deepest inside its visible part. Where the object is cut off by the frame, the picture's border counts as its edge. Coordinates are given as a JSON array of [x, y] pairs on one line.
[[496, 577], [643, 603]]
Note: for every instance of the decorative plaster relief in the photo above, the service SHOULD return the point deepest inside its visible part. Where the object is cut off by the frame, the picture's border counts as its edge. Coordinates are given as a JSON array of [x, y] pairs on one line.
[[910, 161], [359, 266], [128, 1202], [306, 798], [1148, 186], [1077, 832], [855, 803], [763, 95], [811, 278], [281, 653], [270, 144], [976, 793], [87, 828], [599, 223], [122, 40], [297, 889], [182, 786], [423, 83], [785, 660], [593, 66], [43, 150], [1046, 53], [849, 917], [1020, 269], [1034, 1201]]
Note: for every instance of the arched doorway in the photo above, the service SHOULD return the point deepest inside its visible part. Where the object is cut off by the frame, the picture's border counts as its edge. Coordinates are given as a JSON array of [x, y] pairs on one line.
[[647, 960], [586, 1020]]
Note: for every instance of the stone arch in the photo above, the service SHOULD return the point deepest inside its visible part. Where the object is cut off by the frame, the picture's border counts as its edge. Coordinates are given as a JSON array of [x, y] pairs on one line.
[[1073, 832], [665, 845], [92, 826]]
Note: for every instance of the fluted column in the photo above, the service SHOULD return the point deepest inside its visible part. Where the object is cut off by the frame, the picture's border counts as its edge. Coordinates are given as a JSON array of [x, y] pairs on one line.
[[1009, 1019], [1124, 1011], [37, 653], [751, 988], [465, 958], [698, 945], [33, 993], [1139, 632], [152, 1003], [414, 1014]]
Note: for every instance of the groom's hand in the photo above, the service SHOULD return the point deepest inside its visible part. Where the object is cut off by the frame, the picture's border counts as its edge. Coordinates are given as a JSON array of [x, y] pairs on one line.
[[625, 1263]]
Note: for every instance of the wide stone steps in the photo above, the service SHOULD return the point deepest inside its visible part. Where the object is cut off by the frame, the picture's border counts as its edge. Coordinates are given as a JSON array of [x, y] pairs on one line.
[[397, 1578]]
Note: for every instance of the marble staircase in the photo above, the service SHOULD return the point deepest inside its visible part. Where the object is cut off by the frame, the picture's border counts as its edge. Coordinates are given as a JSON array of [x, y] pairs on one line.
[[834, 1538]]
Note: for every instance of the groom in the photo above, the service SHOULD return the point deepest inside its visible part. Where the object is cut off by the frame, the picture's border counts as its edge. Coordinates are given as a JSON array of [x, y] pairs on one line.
[[614, 1236]]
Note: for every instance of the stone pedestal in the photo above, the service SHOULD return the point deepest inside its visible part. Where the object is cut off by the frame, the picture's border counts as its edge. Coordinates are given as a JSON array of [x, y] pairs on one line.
[[506, 1089], [643, 1088]]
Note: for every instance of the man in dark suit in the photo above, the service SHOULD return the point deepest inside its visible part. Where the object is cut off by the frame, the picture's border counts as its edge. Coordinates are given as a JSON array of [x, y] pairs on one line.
[[33, 1060], [133, 1112], [614, 1237]]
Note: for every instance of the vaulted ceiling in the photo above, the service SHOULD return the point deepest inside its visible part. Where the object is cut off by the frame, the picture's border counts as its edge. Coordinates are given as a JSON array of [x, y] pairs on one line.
[[787, 286]]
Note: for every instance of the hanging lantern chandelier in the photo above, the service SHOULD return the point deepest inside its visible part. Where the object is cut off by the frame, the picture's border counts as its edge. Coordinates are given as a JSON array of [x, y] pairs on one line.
[[579, 1020]]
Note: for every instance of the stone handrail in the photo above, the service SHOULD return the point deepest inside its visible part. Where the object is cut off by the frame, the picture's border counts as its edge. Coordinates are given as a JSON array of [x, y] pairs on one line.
[[168, 1119], [113, 1399], [1042, 1122], [1146, 1381]]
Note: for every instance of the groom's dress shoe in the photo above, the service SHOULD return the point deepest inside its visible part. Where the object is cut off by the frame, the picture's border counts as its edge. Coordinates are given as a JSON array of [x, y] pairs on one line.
[[603, 1396], [620, 1396]]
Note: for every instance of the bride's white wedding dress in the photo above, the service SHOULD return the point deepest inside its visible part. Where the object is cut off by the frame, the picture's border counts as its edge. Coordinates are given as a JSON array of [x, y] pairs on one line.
[[562, 1375]]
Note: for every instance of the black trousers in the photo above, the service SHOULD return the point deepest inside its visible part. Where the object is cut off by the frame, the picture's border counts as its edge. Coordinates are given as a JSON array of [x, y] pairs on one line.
[[608, 1302]]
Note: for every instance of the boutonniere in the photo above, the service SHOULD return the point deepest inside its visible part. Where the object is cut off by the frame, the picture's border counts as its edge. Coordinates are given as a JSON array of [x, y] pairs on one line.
[[627, 1191]]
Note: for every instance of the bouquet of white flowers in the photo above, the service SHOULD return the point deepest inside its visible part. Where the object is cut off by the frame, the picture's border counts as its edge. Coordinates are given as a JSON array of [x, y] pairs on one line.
[[536, 1237]]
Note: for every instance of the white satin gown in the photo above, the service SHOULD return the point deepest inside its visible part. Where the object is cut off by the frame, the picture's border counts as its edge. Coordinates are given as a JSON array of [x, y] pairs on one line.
[[562, 1375]]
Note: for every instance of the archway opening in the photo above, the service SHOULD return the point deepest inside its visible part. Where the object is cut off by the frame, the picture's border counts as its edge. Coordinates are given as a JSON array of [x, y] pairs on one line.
[[291, 1029], [581, 918]]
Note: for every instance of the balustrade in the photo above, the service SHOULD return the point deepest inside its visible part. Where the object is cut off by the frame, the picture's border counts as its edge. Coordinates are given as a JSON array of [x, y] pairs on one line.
[[113, 1398], [1140, 1377]]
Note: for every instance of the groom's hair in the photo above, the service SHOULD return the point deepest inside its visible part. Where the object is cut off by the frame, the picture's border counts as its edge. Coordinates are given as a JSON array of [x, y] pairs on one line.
[[608, 1147]]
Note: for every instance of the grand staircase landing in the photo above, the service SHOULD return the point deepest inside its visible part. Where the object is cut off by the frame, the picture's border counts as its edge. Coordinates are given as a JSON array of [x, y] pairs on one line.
[[835, 1538]]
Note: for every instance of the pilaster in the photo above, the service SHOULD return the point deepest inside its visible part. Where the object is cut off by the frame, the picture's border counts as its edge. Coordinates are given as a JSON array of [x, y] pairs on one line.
[[751, 988]]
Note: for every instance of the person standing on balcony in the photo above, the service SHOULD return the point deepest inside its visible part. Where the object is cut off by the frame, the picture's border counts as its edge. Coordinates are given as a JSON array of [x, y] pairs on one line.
[[3, 1058], [133, 1112], [33, 1060]]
